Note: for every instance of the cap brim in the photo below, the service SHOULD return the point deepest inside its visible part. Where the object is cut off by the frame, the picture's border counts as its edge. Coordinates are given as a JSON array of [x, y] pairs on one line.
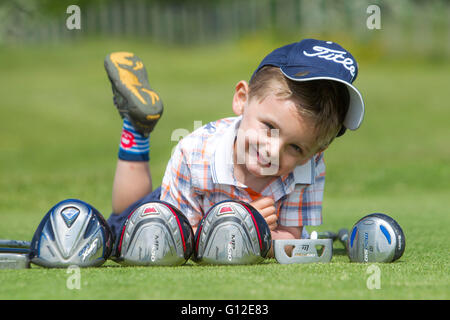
[[355, 113]]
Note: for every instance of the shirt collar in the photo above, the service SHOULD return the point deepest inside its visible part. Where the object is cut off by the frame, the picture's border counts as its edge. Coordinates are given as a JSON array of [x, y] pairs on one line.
[[222, 168], [304, 174]]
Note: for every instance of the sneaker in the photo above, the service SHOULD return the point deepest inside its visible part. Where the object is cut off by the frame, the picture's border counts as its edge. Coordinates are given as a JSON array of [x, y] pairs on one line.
[[133, 96]]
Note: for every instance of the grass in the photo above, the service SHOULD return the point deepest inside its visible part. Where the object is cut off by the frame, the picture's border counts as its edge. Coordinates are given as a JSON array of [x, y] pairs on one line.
[[59, 139]]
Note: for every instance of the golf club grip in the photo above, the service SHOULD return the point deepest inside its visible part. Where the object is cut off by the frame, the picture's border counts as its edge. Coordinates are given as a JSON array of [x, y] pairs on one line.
[[6, 243]]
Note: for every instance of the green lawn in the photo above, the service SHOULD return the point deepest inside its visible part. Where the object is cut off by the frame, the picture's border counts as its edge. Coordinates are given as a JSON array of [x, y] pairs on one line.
[[59, 139]]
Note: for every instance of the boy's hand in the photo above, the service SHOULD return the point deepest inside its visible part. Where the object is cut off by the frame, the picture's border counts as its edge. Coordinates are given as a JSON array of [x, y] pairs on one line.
[[266, 207]]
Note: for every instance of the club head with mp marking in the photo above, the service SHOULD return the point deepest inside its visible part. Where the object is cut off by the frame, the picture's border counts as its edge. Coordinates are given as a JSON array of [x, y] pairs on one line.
[[156, 233], [376, 238], [303, 250]]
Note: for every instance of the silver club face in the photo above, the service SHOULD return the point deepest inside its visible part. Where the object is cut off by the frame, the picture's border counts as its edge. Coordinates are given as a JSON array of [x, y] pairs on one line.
[[372, 240], [72, 235], [153, 236], [229, 236]]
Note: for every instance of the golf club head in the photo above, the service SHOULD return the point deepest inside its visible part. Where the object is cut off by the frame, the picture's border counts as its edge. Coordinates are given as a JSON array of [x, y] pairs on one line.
[[72, 233], [155, 234], [376, 238], [232, 233], [14, 259], [303, 251]]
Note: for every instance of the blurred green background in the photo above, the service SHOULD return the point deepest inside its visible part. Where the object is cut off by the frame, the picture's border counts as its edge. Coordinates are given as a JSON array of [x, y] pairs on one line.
[[60, 131]]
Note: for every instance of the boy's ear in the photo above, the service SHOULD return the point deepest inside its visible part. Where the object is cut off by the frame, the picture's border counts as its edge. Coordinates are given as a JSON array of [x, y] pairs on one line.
[[240, 97], [322, 149]]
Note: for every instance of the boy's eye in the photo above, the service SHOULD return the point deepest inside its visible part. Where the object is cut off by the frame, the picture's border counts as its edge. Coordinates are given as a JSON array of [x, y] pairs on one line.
[[268, 125], [296, 148]]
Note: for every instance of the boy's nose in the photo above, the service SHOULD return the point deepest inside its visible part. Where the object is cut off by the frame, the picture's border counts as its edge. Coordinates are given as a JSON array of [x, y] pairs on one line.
[[273, 148]]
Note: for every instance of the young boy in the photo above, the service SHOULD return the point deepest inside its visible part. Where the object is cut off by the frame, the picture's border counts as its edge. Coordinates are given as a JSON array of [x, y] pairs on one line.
[[271, 155]]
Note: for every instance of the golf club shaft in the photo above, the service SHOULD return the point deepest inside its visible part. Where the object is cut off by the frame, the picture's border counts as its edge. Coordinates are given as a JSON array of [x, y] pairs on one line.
[[14, 250], [327, 235], [6, 243], [343, 237]]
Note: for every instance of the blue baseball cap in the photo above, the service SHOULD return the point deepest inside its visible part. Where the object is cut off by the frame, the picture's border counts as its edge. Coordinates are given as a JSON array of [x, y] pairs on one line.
[[312, 59]]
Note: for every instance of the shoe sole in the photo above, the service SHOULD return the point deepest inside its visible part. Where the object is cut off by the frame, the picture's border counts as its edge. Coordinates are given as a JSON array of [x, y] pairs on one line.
[[128, 76]]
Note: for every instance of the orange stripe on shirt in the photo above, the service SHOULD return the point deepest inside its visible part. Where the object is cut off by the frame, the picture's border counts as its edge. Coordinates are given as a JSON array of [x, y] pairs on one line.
[[300, 205], [253, 194]]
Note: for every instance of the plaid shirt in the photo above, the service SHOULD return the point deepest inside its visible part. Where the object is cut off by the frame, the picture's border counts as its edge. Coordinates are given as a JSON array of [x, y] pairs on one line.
[[200, 174]]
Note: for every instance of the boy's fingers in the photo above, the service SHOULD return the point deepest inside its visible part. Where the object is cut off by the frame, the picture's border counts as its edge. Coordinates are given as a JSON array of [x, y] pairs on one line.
[[268, 201], [265, 212], [266, 207], [262, 203], [272, 223]]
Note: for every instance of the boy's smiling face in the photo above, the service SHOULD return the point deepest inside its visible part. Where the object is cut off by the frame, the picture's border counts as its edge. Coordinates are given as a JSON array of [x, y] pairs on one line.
[[273, 138]]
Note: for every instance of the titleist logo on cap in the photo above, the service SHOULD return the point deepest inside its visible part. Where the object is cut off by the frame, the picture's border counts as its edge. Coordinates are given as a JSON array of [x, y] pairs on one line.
[[333, 55]]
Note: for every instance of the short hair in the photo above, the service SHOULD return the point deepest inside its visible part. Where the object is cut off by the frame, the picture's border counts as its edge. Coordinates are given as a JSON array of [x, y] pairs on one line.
[[324, 101]]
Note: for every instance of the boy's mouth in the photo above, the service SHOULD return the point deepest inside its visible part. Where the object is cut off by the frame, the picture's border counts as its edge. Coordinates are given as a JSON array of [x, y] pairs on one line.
[[260, 159], [263, 162]]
